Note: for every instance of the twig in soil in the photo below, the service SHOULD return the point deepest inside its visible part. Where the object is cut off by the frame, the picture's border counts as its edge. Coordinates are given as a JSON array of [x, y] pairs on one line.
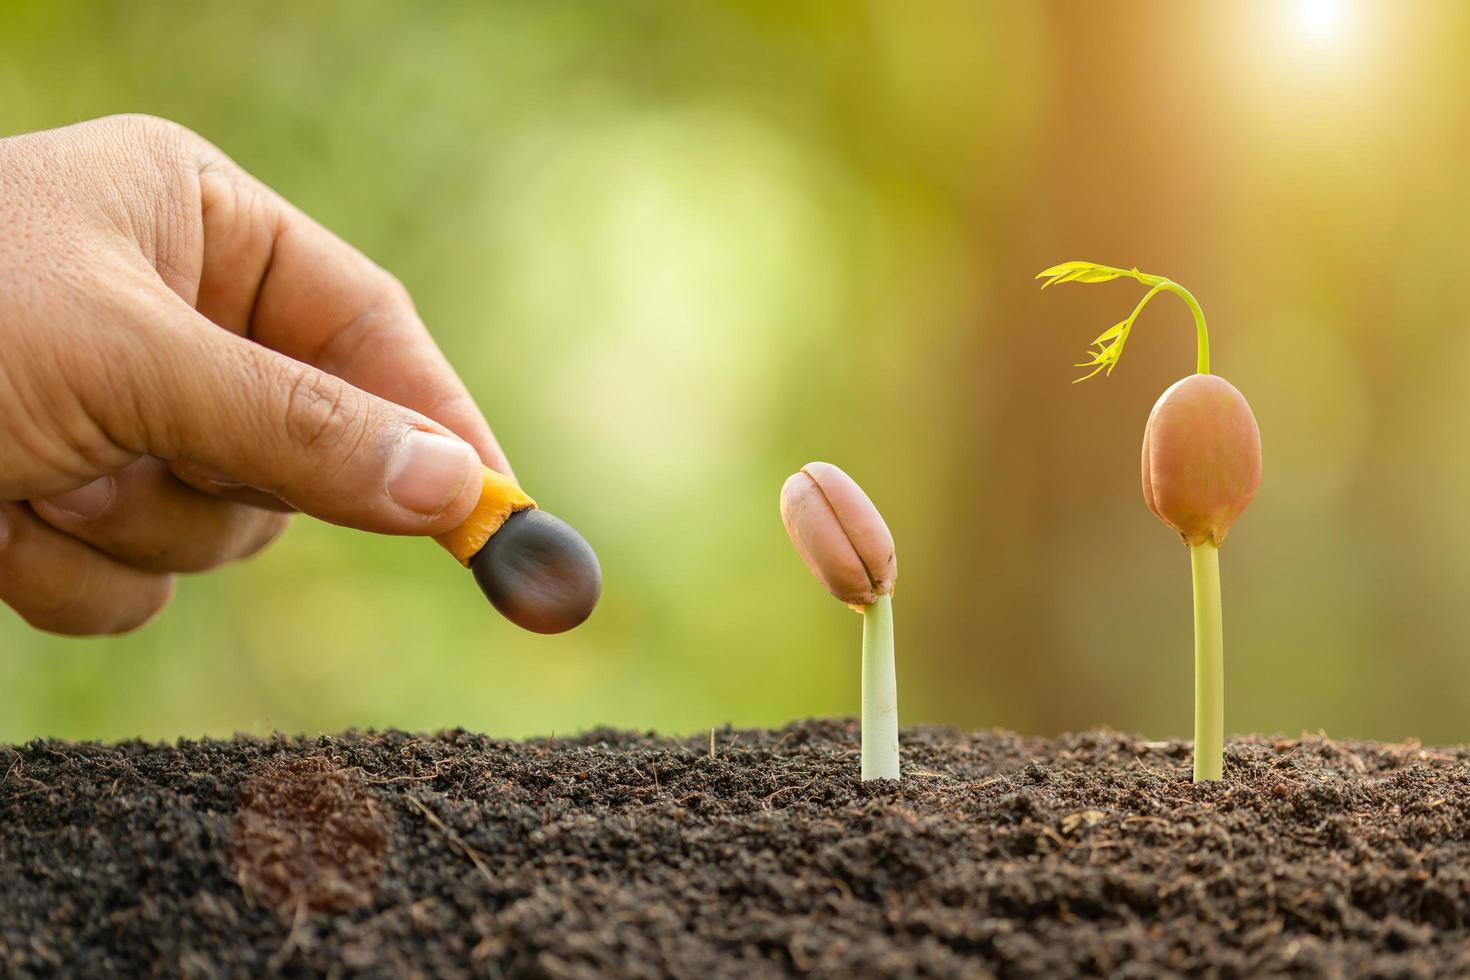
[[1158, 820], [21, 776], [438, 769], [1055, 838], [766, 803], [66, 760], [929, 773], [282, 956], [399, 779], [475, 856], [1082, 818], [712, 741], [1352, 756], [1152, 772]]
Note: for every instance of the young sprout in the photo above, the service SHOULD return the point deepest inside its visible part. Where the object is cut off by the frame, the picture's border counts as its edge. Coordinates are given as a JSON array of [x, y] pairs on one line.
[[1201, 467], [843, 540]]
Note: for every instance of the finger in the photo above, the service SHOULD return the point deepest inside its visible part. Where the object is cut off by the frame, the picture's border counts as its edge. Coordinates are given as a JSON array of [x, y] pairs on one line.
[[57, 583], [274, 274], [145, 518], [255, 417], [215, 486]]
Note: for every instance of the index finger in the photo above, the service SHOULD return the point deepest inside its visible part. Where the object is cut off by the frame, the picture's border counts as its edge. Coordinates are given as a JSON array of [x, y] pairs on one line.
[[273, 274]]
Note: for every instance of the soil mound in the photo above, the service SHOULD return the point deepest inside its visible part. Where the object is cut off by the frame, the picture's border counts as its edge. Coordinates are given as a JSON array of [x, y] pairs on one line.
[[625, 855]]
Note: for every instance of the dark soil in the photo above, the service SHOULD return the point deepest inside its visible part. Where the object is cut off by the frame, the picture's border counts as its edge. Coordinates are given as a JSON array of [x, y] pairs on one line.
[[620, 855]]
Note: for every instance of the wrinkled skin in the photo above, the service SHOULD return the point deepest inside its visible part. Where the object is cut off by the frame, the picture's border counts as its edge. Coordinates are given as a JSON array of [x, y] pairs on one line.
[[839, 534], [184, 359], [1201, 458]]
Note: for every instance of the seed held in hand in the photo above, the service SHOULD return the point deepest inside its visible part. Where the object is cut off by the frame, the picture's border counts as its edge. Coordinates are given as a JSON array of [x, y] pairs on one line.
[[534, 568], [539, 572]]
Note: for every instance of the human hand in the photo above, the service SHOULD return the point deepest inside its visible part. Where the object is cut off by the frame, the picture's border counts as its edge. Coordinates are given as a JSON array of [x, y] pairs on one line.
[[184, 359]]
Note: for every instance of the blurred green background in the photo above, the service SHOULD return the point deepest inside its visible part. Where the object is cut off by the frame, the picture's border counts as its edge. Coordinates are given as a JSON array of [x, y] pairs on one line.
[[678, 249]]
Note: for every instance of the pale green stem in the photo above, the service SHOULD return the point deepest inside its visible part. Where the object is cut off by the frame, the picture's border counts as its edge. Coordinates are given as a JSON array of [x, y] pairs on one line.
[[1209, 664], [880, 692], [1201, 333]]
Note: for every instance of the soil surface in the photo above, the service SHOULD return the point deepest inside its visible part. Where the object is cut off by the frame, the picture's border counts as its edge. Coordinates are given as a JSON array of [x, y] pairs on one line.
[[624, 855]]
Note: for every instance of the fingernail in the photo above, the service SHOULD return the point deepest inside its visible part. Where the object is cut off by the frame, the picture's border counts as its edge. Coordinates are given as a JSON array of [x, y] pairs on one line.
[[84, 501], [428, 471]]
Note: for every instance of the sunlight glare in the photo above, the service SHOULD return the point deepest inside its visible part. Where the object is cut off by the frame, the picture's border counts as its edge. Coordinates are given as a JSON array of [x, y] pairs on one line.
[[1321, 20]]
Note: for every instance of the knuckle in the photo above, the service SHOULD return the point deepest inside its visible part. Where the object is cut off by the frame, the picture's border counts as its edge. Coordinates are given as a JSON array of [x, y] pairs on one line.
[[60, 608], [48, 622], [320, 414], [395, 294], [272, 526], [194, 555], [147, 604], [59, 592], [66, 615], [244, 531], [154, 130], [152, 155]]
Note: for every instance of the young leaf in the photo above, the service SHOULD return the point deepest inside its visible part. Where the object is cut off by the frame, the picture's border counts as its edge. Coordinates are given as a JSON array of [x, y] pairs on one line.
[[1109, 348], [1109, 343], [1080, 272]]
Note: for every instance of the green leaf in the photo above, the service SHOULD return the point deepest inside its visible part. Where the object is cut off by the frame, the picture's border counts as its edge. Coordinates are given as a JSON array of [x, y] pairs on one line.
[[1081, 272], [1109, 348], [1110, 342], [1111, 332]]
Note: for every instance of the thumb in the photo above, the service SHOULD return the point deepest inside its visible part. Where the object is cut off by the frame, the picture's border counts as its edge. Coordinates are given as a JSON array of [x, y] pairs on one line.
[[252, 416]]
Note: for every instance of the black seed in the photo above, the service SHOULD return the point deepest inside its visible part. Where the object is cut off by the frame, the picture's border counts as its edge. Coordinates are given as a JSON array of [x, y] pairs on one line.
[[539, 572]]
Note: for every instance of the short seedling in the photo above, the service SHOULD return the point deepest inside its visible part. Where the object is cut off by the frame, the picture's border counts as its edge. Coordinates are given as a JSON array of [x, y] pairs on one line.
[[843, 540], [1201, 467]]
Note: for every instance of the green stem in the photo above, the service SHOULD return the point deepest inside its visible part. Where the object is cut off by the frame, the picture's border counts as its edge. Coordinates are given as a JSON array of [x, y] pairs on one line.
[[1209, 664], [880, 692], [1201, 332]]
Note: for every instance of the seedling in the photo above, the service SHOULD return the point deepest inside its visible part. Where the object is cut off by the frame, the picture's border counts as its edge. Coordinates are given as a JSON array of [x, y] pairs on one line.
[[843, 540], [533, 567], [1201, 467]]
